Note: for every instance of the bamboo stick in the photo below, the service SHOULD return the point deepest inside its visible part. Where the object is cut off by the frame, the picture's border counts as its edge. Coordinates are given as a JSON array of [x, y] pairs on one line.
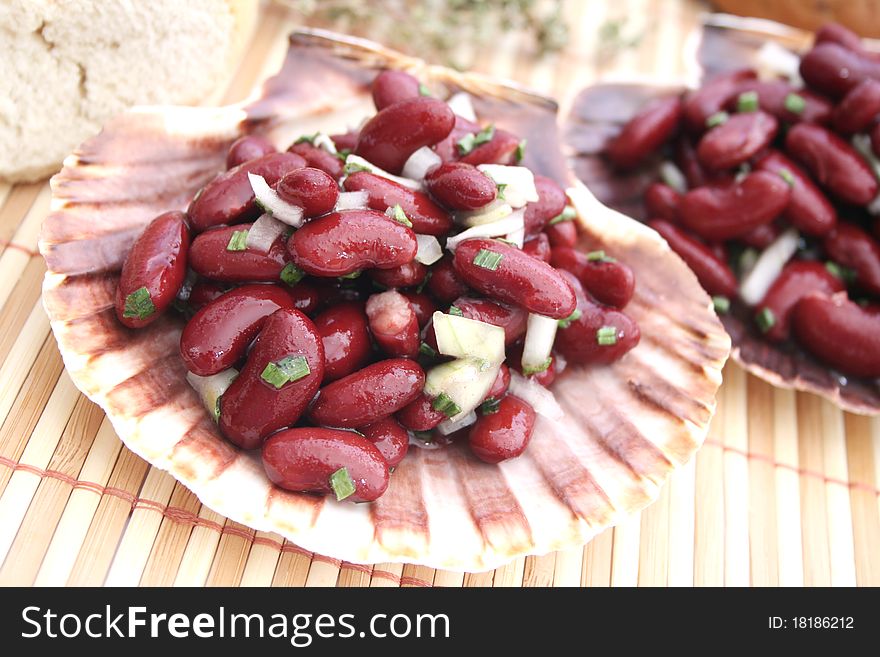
[[231, 555], [262, 560], [598, 555], [417, 576], [840, 529], [386, 574], [170, 544], [5, 190], [25, 296], [682, 515], [454, 579], [293, 567], [323, 572], [16, 206], [863, 499], [762, 530], [509, 575], [351, 575], [733, 425], [814, 520], [625, 552], [200, 550], [788, 500], [567, 570], [654, 542], [13, 261]]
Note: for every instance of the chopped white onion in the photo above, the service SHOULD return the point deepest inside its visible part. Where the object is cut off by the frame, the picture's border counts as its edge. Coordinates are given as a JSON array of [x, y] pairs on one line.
[[774, 60], [874, 206], [449, 426], [672, 176], [497, 209], [541, 399], [352, 200], [187, 286], [518, 237], [210, 388], [358, 161], [862, 143], [461, 337], [264, 232], [419, 162], [268, 199], [519, 183], [768, 267], [323, 141], [466, 381], [540, 334], [429, 251], [461, 104], [509, 224]]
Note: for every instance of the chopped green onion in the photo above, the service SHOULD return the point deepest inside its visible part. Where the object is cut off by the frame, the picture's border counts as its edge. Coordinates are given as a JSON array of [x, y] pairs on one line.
[[488, 259], [399, 216], [599, 256], [490, 406], [722, 304], [567, 214], [354, 167], [342, 484], [215, 413], [787, 176], [765, 319], [238, 241], [718, 118], [747, 102], [565, 323], [747, 260], [607, 335], [423, 89], [139, 304], [469, 142], [424, 436], [520, 151], [292, 368], [455, 310], [308, 138], [427, 350], [343, 154], [845, 274], [291, 274], [444, 404], [529, 370], [795, 103], [424, 282], [350, 277], [501, 188]]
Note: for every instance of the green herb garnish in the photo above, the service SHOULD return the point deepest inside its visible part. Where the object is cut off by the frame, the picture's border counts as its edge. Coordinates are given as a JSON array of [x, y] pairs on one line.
[[765, 319], [444, 404], [501, 188], [469, 142], [718, 118], [238, 241], [291, 368], [722, 304], [291, 274], [423, 89], [490, 406], [599, 256], [139, 304], [342, 484], [354, 167], [520, 151], [350, 277], [845, 274], [455, 310], [310, 139], [795, 103], [567, 214], [787, 176], [607, 335], [488, 259], [565, 323], [399, 216], [427, 350], [747, 102], [537, 369]]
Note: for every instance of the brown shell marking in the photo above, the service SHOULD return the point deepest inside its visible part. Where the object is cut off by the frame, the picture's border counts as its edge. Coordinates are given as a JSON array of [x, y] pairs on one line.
[[627, 426]]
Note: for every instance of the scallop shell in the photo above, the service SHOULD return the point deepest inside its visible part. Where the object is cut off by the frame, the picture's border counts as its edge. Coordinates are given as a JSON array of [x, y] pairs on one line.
[[627, 426], [725, 43]]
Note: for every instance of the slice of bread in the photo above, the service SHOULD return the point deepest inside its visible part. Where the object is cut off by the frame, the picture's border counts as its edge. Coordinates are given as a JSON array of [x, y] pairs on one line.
[[71, 64]]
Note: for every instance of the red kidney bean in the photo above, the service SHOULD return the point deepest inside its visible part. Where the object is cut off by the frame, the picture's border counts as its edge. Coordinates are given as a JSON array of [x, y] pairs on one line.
[[408, 275], [772, 96], [419, 414], [501, 383], [736, 140], [850, 246], [837, 33], [204, 292], [460, 186], [423, 306], [396, 132], [318, 158], [156, 263], [661, 202], [229, 198], [833, 162], [391, 439], [608, 281], [709, 99], [393, 324], [218, 335], [445, 283], [563, 234], [504, 434], [306, 297], [252, 408], [313, 190], [686, 159], [512, 319], [719, 250], [448, 148], [501, 149], [305, 459], [210, 258], [858, 109], [427, 217], [875, 139], [797, 280], [712, 272], [551, 202], [839, 332], [332, 292], [538, 247], [391, 87], [340, 243], [833, 69], [761, 236], [518, 278], [725, 213], [346, 141], [368, 395], [579, 343], [346, 338], [643, 134], [247, 148], [808, 209]]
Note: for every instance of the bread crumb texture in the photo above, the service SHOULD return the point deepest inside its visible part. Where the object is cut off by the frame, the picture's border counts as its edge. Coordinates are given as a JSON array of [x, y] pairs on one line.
[[69, 65]]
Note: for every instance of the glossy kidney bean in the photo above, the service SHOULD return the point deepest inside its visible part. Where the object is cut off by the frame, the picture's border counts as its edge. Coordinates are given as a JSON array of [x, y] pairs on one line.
[[346, 141], [711, 97], [156, 263], [797, 280], [210, 257], [712, 272], [504, 434], [858, 109], [229, 198], [518, 278], [875, 139], [644, 133], [608, 281], [686, 159], [368, 395], [419, 414], [761, 236], [445, 284], [661, 202], [251, 408], [460, 186], [579, 343], [318, 158], [725, 213], [850, 246], [396, 132], [833, 69], [538, 247], [427, 217], [408, 275], [808, 209], [833, 162], [839, 332], [313, 190], [218, 335], [332, 291], [391, 439], [562, 234], [447, 149], [341, 243], [306, 297], [772, 95], [345, 334], [512, 319], [247, 148], [736, 140], [501, 383], [304, 459], [391, 87], [551, 202], [501, 149], [204, 292], [423, 306], [837, 33], [393, 324]]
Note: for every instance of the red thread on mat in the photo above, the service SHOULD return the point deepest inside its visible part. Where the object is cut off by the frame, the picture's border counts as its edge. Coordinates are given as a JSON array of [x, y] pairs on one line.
[[18, 247]]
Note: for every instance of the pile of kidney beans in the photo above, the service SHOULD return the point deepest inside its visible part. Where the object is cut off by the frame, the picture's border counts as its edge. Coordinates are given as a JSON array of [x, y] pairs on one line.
[[761, 156], [342, 301]]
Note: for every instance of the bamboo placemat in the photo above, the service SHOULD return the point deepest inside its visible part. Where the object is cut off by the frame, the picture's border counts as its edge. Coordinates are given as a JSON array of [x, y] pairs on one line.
[[784, 492]]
